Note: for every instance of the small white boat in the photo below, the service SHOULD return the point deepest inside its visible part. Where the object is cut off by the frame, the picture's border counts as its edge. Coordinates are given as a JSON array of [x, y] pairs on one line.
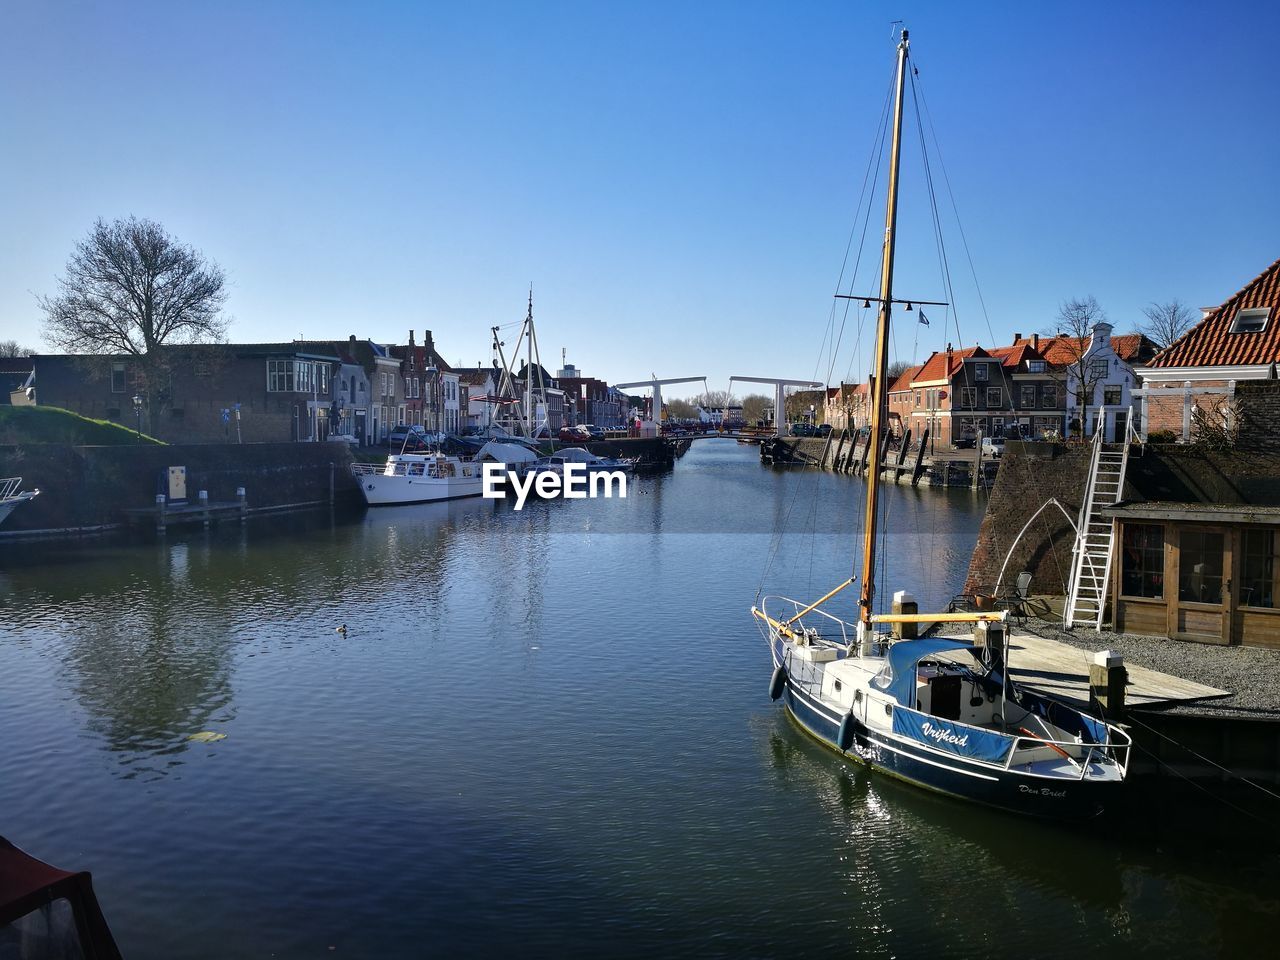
[[515, 457], [417, 478], [11, 497]]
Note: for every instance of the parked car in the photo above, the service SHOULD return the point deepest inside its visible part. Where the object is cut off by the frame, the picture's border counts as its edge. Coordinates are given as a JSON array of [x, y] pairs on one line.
[[822, 430], [407, 437], [574, 435], [597, 433], [801, 430], [964, 443], [993, 447]]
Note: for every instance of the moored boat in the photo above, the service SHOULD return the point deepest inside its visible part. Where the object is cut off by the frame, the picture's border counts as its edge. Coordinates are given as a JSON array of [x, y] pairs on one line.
[[11, 497], [417, 478], [940, 713]]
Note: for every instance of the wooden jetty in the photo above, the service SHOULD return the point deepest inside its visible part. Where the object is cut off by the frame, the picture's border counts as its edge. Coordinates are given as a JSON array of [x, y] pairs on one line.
[[1061, 671]]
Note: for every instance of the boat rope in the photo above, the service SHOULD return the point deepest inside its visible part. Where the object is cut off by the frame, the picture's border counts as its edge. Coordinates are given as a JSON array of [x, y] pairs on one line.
[[1205, 790], [922, 109], [1200, 756]]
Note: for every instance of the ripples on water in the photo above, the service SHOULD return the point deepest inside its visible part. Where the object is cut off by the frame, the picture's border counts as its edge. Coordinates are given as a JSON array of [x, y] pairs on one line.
[[542, 733]]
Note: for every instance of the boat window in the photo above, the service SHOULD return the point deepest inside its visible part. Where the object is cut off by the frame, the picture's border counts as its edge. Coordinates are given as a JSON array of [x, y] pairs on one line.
[[399, 470], [415, 469], [837, 686]]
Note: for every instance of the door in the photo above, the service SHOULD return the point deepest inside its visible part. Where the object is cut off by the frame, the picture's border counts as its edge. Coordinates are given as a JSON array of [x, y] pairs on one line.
[[1204, 584], [1119, 436]]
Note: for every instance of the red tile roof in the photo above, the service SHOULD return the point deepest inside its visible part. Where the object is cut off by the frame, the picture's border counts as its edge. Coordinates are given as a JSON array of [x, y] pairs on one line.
[[937, 367], [905, 380], [1210, 343], [1063, 351]]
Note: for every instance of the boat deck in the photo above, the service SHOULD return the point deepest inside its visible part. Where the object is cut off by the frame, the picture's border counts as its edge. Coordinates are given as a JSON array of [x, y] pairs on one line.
[[1061, 671]]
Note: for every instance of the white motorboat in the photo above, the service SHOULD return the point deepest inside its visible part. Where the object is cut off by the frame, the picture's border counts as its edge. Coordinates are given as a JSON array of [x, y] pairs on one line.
[[11, 497], [417, 478]]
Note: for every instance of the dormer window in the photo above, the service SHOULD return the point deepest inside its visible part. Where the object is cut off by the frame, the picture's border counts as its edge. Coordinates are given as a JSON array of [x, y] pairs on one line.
[[1253, 320], [1035, 366], [980, 371]]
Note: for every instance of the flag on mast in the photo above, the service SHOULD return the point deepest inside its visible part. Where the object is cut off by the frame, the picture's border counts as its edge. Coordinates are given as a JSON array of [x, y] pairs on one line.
[[923, 318]]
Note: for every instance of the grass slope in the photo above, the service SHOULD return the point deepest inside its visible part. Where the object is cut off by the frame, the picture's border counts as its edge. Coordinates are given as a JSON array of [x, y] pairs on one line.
[[53, 425]]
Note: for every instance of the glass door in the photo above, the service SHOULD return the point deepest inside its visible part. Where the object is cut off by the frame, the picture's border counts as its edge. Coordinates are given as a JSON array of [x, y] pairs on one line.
[[1203, 584]]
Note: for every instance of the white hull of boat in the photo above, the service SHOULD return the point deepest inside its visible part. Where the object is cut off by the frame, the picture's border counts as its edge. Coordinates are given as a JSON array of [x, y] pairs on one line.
[[380, 491]]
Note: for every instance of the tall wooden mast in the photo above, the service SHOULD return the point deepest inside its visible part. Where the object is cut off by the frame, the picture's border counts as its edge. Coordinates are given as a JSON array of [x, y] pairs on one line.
[[880, 386]]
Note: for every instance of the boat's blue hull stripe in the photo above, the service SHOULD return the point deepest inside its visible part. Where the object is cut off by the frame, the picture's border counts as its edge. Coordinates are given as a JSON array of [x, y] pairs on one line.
[[997, 787]]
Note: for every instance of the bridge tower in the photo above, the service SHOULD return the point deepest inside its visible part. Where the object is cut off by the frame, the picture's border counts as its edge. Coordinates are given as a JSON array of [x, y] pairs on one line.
[[779, 395], [649, 428]]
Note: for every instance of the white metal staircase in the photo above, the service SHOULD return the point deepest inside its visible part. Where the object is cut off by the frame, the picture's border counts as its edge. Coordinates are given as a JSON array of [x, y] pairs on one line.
[[1094, 546]]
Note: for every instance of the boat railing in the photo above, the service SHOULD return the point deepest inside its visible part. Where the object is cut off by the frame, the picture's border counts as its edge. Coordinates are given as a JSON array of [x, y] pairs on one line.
[[1116, 752], [367, 469], [797, 606], [9, 486]]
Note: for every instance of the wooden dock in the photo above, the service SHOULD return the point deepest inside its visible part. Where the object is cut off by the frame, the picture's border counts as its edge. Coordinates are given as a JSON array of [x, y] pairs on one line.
[[1061, 671]]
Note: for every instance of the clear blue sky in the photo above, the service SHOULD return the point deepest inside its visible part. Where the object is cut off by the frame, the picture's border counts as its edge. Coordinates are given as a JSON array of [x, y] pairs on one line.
[[678, 180]]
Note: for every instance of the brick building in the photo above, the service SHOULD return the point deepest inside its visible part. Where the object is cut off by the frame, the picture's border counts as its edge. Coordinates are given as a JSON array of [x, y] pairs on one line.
[[1192, 383]]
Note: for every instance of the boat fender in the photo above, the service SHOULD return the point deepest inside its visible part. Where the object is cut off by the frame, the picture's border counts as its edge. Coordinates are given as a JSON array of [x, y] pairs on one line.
[[778, 682], [848, 726]]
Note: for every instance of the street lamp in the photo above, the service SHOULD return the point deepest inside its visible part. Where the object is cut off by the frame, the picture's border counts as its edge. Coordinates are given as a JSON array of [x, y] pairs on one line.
[[137, 410]]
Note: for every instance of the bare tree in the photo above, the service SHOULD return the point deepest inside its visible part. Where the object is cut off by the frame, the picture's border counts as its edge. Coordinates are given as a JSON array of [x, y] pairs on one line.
[[755, 406], [715, 398], [131, 289], [681, 409], [1074, 332], [1167, 322], [11, 348], [897, 369]]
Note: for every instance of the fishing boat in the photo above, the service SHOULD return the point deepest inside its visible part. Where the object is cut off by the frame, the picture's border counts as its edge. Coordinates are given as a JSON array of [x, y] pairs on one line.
[[12, 497], [938, 712], [417, 478]]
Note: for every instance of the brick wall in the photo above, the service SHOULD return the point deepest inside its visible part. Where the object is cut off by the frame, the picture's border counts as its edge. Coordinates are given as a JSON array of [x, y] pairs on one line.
[[1029, 475]]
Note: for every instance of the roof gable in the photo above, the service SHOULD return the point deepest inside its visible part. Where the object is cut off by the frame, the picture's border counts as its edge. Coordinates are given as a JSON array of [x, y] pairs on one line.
[[1210, 343]]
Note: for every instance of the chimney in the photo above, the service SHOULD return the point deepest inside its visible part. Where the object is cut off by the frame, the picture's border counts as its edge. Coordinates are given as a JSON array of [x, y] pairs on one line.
[[1035, 341], [351, 340], [1016, 338], [428, 347], [411, 339]]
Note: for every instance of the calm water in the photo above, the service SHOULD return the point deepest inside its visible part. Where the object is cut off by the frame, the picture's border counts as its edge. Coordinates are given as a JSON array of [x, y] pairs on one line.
[[544, 733]]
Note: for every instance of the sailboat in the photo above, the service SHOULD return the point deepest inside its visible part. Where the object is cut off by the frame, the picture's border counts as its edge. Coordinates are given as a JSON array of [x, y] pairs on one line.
[[940, 713]]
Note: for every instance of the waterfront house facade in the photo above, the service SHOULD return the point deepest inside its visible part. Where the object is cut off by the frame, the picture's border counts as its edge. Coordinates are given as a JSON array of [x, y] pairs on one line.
[[1190, 387], [1095, 377]]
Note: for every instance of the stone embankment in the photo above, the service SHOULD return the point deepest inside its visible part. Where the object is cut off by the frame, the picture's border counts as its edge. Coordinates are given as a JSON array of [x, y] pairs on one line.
[[89, 489], [844, 454]]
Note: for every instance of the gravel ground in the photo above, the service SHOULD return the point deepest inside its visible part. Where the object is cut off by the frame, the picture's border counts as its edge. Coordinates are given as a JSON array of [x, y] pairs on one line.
[[1250, 673]]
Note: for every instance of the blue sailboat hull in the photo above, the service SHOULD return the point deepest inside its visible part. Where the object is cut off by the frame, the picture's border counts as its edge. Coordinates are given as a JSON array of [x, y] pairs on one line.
[[1011, 790]]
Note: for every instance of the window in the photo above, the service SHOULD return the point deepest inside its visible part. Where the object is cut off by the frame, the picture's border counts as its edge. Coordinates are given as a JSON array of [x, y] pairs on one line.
[[997, 426], [995, 397], [1200, 566], [980, 372], [1049, 396], [1099, 368], [1035, 366], [118, 384], [1142, 562], [1111, 396], [1028, 396], [1257, 580], [1253, 320], [280, 376], [969, 397]]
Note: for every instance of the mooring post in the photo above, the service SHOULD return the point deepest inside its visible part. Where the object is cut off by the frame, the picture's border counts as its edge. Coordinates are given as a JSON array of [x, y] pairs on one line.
[[977, 465], [1107, 679], [905, 604], [161, 500], [203, 498], [331, 473], [919, 467], [244, 504]]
